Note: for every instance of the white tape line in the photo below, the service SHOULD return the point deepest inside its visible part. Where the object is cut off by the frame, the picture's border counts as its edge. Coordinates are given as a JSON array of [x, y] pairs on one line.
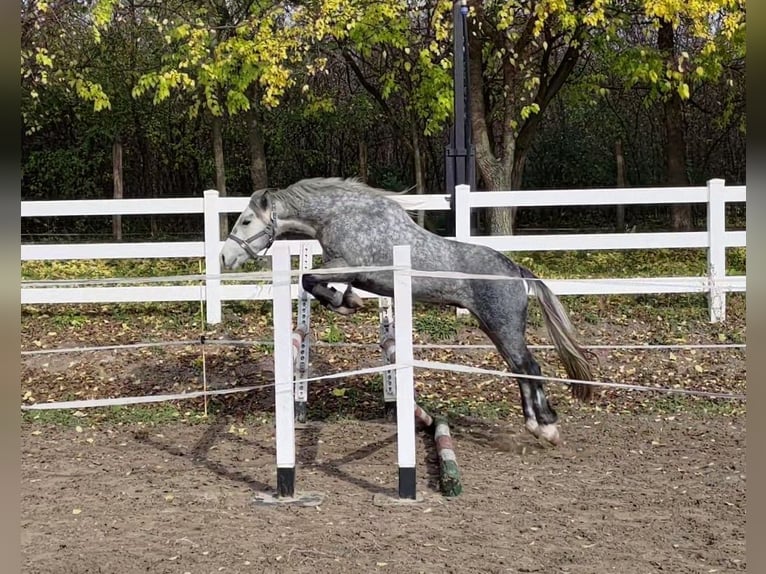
[[112, 347], [268, 276], [249, 276], [428, 365], [254, 342], [119, 401], [431, 365]]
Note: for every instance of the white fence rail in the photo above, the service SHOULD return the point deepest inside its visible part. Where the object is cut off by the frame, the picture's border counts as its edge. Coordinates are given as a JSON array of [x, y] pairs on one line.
[[716, 239]]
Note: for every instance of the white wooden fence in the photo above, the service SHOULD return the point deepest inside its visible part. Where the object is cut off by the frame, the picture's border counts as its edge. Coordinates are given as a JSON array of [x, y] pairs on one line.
[[716, 239]]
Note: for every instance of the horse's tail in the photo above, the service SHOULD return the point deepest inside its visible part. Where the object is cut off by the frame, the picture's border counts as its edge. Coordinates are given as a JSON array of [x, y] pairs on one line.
[[561, 331]]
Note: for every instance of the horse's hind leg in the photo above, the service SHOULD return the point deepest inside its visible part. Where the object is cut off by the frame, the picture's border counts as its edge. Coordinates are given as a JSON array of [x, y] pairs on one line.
[[506, 330], [541, 418], [343, 302]]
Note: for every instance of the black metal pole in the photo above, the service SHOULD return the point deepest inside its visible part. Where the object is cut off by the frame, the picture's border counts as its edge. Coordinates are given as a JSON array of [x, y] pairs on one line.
[[459, 159]]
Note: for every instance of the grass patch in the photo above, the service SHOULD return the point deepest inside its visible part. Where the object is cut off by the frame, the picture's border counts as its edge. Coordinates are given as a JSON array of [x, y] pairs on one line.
[[626, 263], [434, 322], [332, 333], [552, 264], [107, 268]]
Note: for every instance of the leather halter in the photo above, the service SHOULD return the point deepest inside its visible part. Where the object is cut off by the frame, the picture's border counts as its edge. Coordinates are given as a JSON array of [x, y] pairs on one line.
[[270, 231]]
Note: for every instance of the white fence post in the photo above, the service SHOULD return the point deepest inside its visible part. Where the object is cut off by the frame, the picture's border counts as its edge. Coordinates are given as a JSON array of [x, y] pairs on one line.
[[462, 213], [405, 389], [212, 257], [716, 254], [462, 222], [284, 408]]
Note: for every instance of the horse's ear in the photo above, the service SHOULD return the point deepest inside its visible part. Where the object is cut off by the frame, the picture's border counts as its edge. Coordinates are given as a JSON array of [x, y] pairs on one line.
[[263, 203]]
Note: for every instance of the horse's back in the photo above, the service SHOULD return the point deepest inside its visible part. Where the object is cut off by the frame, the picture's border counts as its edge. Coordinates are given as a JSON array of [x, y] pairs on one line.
[[362, 225]]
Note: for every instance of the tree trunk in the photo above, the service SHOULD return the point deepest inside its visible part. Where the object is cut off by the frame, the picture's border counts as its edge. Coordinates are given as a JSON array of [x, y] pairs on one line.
[[258, 171], [500, 220], [621, 182], [118, 186], [152, 180], [675, 142], [363, 167], [418, 162], [494, 171], [220, 171], [502, 165]]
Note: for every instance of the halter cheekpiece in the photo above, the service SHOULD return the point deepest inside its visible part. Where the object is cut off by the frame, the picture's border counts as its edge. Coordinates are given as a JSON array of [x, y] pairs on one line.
[[270, 231]]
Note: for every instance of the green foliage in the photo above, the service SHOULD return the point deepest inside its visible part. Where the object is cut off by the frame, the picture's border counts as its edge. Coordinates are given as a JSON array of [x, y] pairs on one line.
[[736, 260], [144, 72], [710, 33], [105, 268], [437, 326], [551, 264], [625, 263], [332, 334]]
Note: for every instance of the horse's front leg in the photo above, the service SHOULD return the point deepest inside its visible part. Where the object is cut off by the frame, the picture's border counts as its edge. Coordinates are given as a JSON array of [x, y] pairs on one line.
[[344, 302]]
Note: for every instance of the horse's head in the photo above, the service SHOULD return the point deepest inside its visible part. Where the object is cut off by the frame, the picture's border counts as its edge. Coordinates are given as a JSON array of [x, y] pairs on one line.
[[254, 231]]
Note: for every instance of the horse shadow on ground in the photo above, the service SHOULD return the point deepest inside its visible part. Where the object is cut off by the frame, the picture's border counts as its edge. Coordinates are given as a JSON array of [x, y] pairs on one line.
[[307, 451], [309, 443], [493, 435], [199, 453]]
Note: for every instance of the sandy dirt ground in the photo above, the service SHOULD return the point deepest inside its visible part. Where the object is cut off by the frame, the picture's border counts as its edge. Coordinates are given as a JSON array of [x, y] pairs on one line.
[[642, 483], [623, 493]]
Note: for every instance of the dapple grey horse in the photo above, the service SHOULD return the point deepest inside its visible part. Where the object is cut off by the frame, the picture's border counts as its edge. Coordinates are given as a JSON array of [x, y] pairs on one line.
[[358, 226]]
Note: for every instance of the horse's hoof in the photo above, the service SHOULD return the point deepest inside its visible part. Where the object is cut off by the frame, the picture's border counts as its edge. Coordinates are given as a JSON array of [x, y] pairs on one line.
[[351, 299], [336, 300], [343, 310], [533, 428], [551, 434]]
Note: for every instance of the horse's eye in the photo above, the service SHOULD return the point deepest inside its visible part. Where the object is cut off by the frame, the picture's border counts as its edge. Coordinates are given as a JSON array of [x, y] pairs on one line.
[[247, 222]]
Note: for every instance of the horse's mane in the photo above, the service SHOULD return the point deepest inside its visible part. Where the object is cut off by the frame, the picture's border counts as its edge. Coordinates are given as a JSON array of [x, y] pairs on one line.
[[294, 196], [297, 193]]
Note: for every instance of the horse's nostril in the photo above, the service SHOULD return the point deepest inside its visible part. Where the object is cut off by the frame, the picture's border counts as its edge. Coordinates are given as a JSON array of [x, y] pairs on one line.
[[223, 259]]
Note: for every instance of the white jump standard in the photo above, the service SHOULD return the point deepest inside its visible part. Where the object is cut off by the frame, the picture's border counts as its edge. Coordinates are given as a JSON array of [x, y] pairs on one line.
[[286, 341], [284, 406], [301, 341]]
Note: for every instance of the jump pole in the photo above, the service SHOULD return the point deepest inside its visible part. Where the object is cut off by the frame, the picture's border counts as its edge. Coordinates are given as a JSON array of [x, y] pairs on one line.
[[284, 407], [450, 483], [449, 472]]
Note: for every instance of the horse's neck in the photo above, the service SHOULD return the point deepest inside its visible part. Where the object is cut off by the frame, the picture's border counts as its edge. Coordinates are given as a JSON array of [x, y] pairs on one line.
[[290, 224]]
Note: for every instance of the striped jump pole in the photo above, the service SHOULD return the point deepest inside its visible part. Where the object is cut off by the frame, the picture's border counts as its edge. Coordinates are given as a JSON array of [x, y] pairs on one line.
[[450, 483], [300, 340], [449, 472]]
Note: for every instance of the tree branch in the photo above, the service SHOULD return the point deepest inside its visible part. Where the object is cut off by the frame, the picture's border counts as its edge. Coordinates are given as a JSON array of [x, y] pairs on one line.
[[376, 95]]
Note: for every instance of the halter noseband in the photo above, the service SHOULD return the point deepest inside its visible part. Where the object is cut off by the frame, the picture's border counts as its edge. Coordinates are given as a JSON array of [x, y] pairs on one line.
[[270, 231]]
